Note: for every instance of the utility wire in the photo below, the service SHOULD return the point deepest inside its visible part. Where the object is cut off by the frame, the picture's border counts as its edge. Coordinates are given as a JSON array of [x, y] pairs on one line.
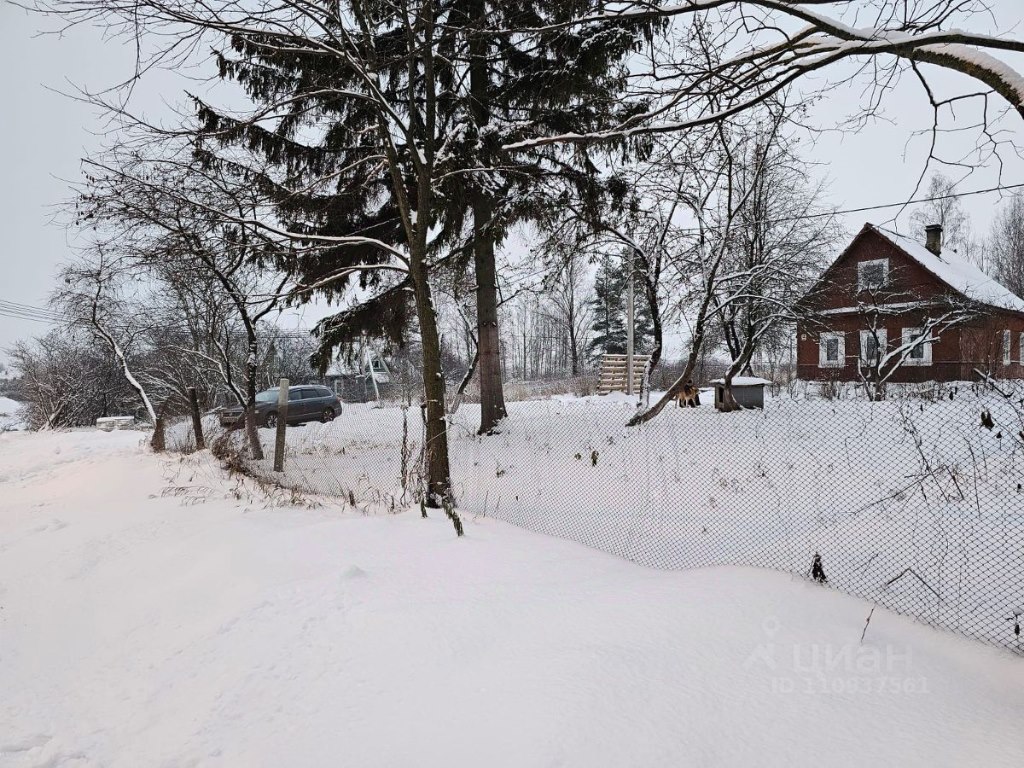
[[41, 316], [883, 206]]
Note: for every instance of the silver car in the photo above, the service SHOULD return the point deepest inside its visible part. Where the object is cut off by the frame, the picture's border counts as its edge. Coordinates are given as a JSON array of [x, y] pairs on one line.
[[306, 402]]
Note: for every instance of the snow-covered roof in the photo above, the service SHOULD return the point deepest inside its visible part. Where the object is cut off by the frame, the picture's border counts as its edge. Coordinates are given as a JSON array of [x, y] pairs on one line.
[[956, 272], [743, 381]]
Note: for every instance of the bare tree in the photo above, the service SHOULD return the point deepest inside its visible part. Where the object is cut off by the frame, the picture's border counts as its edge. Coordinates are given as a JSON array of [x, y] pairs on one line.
[[170, 217], [715, 59], [716, 201], [643, 227], [1005, 244], [202, 343], [68, 381], [946, 209], [779, 244], [567, 285], [882, 307], [353, 154], [92, 295]]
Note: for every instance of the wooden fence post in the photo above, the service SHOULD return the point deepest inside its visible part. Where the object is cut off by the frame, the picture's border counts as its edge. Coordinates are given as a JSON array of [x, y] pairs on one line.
[[158, 442], [197, 421], [282, 421]]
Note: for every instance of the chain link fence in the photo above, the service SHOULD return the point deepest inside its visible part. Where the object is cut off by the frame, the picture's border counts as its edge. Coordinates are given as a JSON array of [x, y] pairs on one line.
[[914, 502]]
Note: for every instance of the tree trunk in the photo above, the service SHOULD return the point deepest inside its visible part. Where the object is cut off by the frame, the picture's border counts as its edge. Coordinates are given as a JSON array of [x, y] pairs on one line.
[[574, 355], [696, 348], [492, 395], [157, 442], [461, 391], [728, 400], [438, 475], [659, 333], [251, 372], [197, 419]]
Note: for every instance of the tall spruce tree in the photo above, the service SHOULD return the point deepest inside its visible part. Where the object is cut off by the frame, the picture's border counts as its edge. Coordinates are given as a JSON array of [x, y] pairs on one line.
[[608, 307], [463, 78], [376, 130], [530, 72], [350, 112]]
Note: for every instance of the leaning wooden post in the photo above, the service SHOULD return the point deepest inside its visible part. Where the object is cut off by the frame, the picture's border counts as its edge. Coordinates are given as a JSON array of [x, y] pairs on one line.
[[282, 420], [197, 421], [157, 442]]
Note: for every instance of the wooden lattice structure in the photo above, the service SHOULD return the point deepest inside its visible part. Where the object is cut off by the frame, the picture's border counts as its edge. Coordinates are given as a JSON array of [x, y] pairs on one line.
[[614, 369]]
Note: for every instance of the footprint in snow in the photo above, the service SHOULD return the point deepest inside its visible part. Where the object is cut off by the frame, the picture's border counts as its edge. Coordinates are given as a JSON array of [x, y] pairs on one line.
[[354, 572]]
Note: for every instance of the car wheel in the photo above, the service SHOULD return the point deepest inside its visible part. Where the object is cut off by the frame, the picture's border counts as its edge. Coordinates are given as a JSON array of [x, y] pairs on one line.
[[270, 420], [327, 415]]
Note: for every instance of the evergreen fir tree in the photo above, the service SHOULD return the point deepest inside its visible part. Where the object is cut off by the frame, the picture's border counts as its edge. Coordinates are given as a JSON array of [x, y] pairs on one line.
[[557, 78], [643, 323], [390, 127], [461, 79], [609, 308], [352, 119]]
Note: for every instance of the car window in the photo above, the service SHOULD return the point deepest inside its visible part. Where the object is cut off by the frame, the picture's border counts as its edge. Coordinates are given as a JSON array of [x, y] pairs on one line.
[[323, 392], [269, 396], [294, 394], [309, 394]]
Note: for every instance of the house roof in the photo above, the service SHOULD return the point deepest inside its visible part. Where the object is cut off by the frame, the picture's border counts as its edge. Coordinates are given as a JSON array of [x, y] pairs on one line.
[[744, 381], [956, 272]]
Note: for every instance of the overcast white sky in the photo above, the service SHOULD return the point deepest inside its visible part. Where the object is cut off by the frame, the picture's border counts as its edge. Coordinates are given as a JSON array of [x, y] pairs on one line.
[[44, 134]]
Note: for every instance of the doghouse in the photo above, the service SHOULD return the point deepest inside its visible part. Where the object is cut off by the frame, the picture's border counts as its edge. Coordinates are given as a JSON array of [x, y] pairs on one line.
[[747, 391]]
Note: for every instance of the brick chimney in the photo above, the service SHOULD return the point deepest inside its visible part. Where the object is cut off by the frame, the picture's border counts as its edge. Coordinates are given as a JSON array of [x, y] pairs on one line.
[[933, 238]]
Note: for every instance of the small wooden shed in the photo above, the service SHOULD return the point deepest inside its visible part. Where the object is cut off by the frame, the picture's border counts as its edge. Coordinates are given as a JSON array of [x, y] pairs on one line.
[[747, 391]]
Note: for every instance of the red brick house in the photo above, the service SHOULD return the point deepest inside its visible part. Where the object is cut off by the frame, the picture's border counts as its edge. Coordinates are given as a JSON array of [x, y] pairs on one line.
[[891, 309]]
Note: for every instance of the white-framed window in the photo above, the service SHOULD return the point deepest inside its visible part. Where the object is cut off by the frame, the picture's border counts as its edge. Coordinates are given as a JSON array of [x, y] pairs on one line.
[[1006, 348], [873, 345], [1022, 348], [920, 354], [832, 350], [872, 274]]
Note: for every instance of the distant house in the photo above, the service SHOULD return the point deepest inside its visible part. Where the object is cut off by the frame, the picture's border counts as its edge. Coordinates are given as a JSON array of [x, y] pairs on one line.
[[891, 309], [360, 383]]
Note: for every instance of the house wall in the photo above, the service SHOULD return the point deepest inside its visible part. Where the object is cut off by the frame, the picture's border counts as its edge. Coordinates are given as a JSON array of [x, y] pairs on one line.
[[955, 355], [909, 280], [958, 350]]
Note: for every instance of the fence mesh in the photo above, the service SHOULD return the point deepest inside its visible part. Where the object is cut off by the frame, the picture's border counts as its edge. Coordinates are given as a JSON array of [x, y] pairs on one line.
[[914, 502]]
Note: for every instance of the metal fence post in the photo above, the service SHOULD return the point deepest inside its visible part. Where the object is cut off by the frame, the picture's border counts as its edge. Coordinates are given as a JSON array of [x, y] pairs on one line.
[[282, 420], [197, 421]]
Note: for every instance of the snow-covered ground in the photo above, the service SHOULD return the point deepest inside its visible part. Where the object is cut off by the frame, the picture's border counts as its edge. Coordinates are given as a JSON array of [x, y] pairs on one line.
[[10, 418], [156, 613], [911, 503]]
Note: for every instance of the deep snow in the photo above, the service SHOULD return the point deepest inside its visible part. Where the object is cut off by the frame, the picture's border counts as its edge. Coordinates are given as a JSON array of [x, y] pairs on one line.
[[156, 613], [909, 502]]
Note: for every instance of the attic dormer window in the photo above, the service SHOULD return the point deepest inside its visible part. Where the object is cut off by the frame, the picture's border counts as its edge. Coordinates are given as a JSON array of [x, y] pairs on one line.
[[872, 275]]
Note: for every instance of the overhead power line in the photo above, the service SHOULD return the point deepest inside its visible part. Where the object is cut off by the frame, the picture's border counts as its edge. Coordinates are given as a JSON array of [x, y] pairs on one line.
[[868, 208], [25, 312], [18, 311], [904, 203]]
